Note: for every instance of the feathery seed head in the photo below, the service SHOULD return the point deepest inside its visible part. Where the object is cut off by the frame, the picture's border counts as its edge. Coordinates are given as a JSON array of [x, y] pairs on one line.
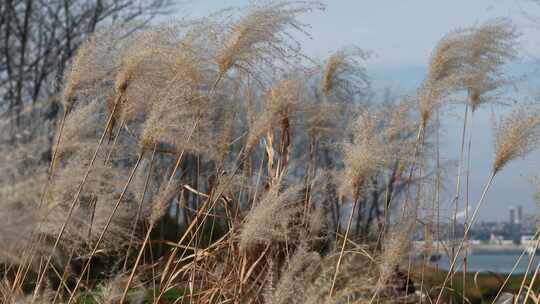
[[261, 35], [271, 220], [94, 61], [445, 73], [446, 62], [80, 72], [180, 110], [344, 74], [363, 155], [516, 135], [489, 47], [282, 102], [398, 120]]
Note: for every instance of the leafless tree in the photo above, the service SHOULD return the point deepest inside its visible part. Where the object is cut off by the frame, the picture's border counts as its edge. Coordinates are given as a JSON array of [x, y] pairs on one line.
[[37, 40]]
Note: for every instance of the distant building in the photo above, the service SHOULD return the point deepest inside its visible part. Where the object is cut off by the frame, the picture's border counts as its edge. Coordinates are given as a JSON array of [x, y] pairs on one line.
[[520, 214], [512, 219]]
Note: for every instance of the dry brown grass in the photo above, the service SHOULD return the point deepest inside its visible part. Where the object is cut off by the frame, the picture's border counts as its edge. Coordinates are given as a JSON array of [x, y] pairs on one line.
[[209, 159]]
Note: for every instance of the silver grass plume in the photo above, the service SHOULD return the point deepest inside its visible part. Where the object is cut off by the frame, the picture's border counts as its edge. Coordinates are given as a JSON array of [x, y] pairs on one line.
[[489, 47], [270, 220], [262, 35], [343, 73], [445, 73], [516, 135]]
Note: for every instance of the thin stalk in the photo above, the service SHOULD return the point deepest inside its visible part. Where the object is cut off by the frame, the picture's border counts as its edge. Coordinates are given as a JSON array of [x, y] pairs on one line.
[[467, 184], [514, 268], [349, 224], [74, 202], [458, 180], [139, 208], [212, 200], [147, 237], [28, 252], [107, 224], [529, 265], [64, 275], [466, 232], [114, 141], [531, 284], [139, 256], [55, 152]]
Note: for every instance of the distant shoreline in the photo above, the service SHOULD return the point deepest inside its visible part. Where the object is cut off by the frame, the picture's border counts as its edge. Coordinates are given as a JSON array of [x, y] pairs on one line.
[[485, 249]]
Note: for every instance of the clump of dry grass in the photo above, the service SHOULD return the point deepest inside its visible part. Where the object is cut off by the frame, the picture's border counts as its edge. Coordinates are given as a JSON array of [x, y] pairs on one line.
[[273, 218], [111, 292], [17, 221], [102, 187], [252, 223], [45, 298], [21, 182], [398, 245], [516, 135], [301, 270], [355, 283]]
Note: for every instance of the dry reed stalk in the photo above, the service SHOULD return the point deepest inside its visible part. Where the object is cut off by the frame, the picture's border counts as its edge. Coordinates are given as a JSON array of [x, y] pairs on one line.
[[72, 207], [509, 275], [514, 136], [123, 78], [489, 47], [157, 212], [121, 85], [83, 72], [529, 265], [530, 287], [102, 234], [531, 258], [139, 208], [163, 198], [197, 222], [363, 157]]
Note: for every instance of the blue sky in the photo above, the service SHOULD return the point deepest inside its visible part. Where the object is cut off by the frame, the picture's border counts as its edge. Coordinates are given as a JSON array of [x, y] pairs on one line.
[[401, 34]]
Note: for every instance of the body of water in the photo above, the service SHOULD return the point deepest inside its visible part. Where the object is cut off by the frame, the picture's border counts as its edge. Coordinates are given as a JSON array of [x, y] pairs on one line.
[[495, 262]]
